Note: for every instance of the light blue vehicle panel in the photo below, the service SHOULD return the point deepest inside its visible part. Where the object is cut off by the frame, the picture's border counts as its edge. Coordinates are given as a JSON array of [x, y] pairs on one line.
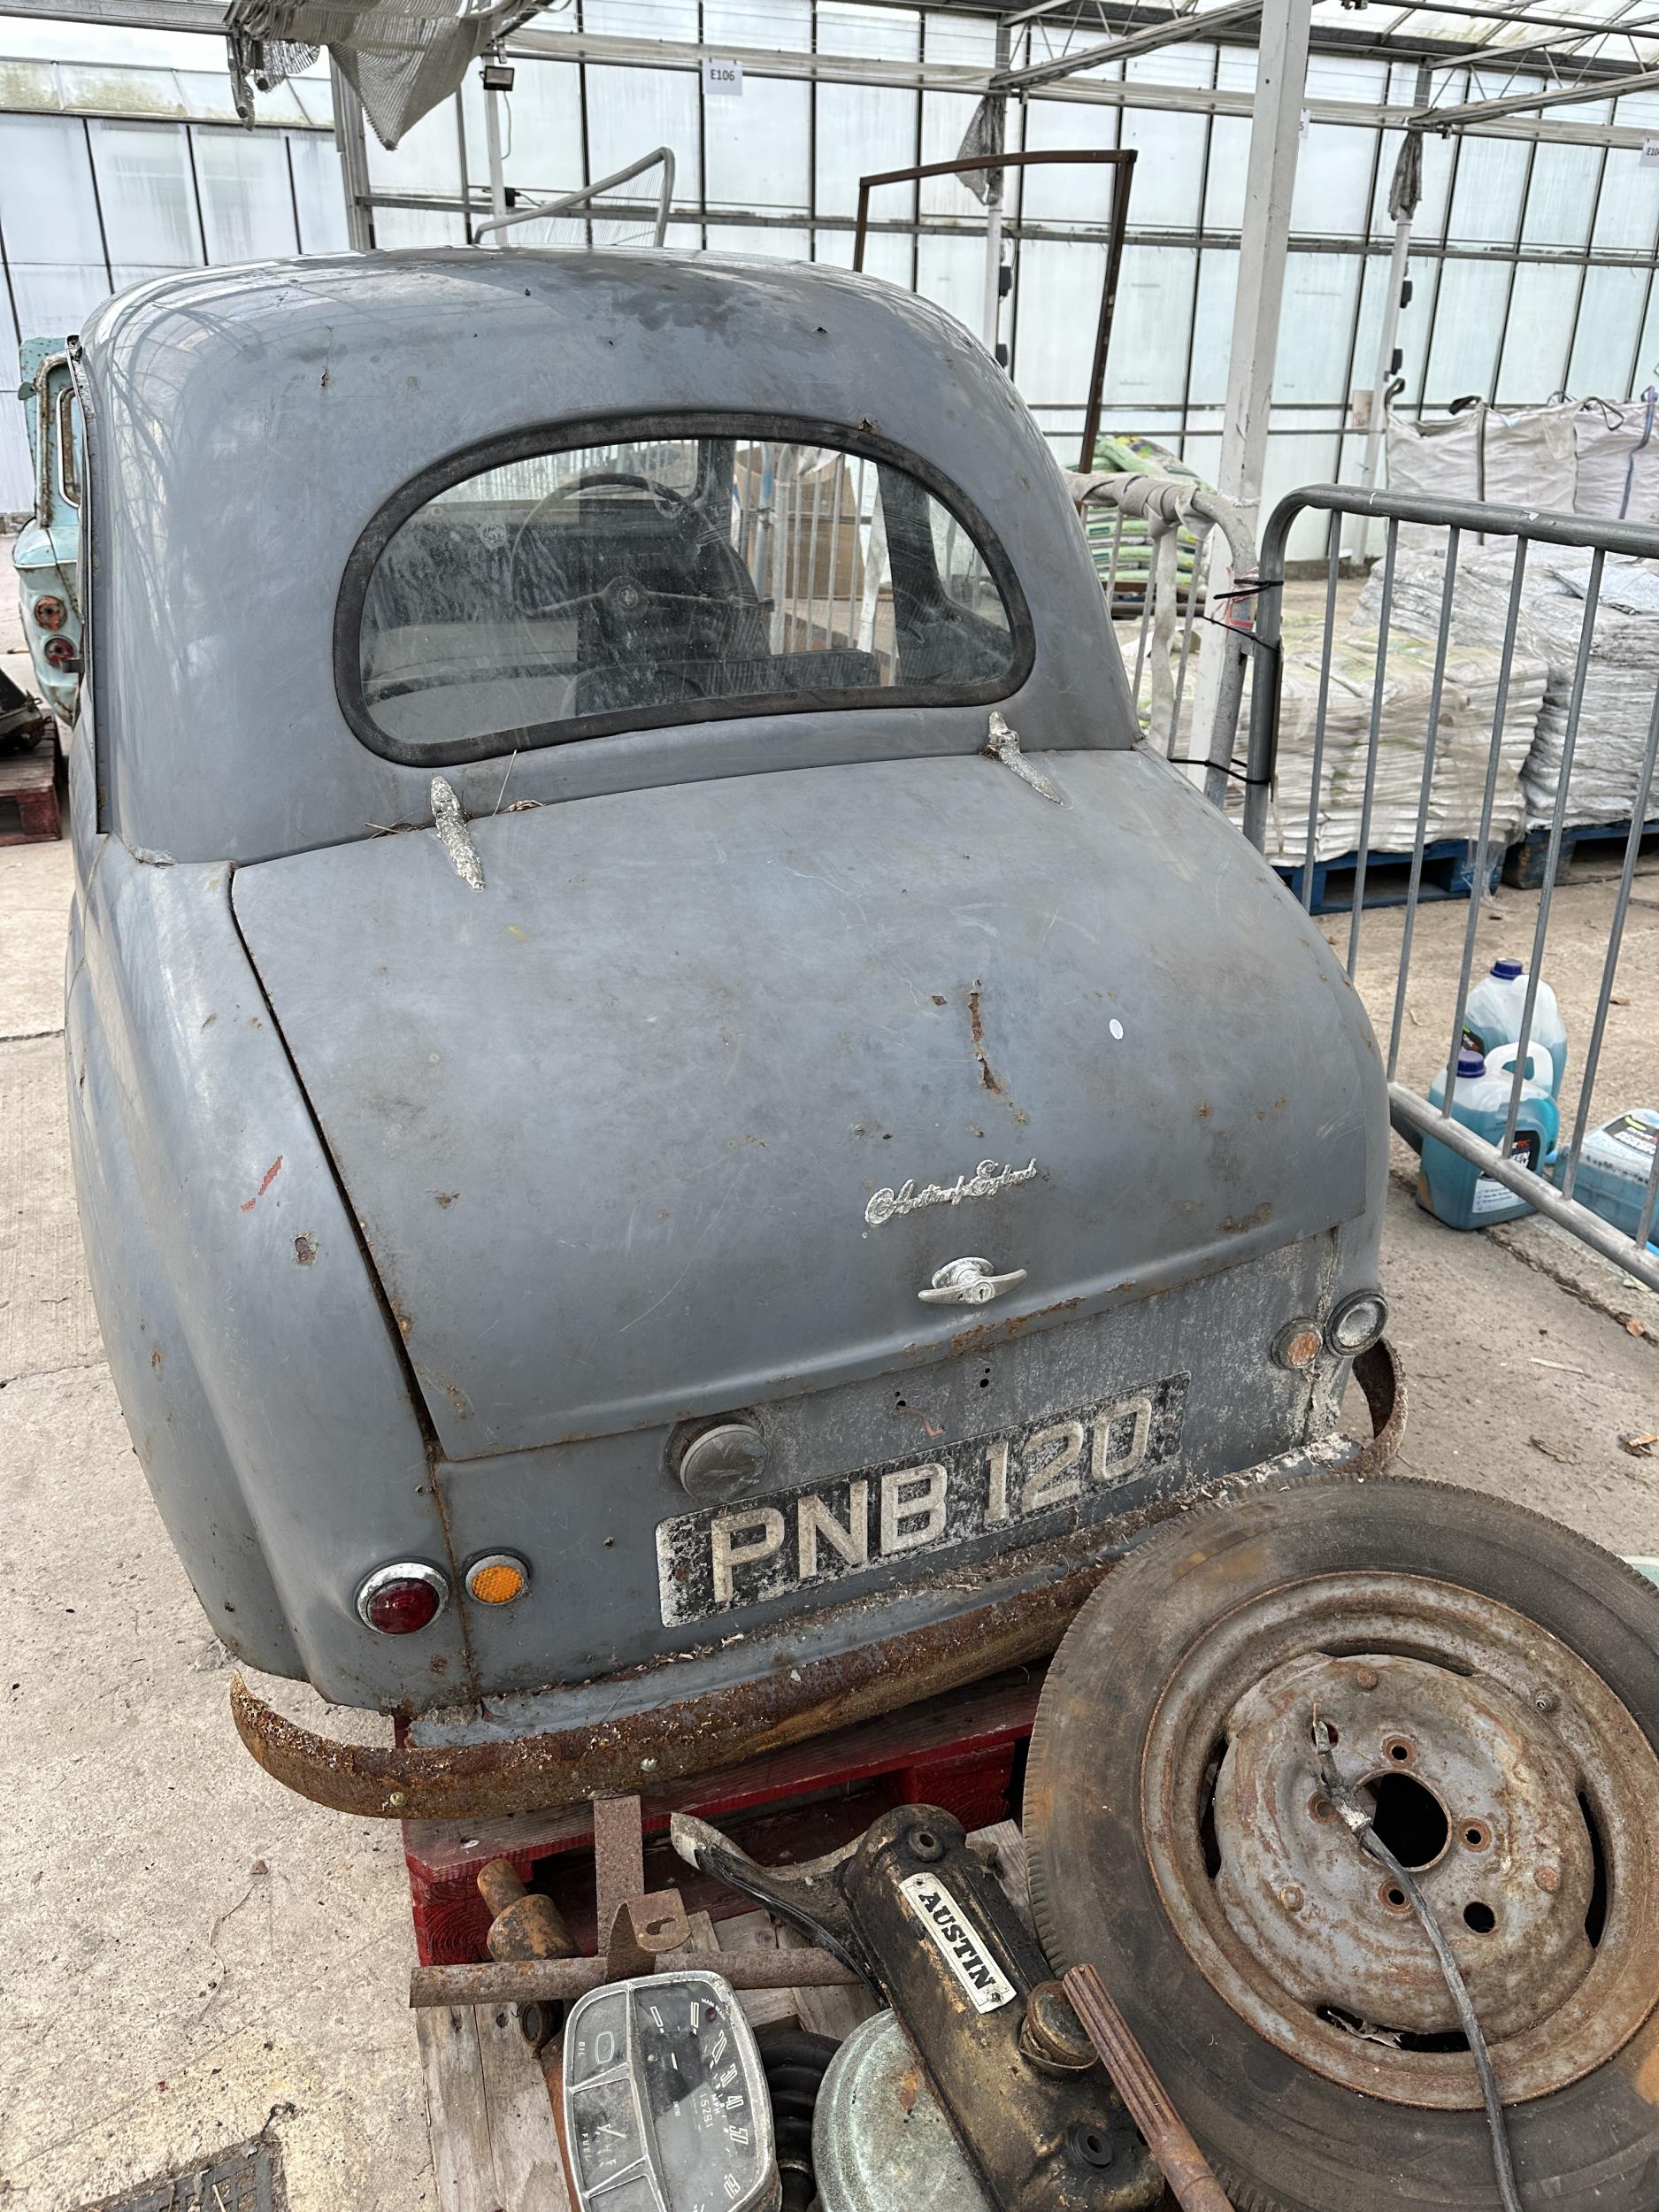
[[429, 1217]]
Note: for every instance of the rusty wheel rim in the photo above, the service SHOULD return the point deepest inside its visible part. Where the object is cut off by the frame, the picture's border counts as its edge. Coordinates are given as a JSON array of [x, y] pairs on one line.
[[1524, 1796]]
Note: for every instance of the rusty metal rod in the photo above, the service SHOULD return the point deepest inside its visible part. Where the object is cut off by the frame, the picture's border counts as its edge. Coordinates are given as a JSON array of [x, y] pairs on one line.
[[556, 1981], [1169, 2139]]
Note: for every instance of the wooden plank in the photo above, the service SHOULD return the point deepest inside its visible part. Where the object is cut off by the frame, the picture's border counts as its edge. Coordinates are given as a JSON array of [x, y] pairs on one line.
[[458, 2108], [756, 1931], [831, 2012], [523, 2140]]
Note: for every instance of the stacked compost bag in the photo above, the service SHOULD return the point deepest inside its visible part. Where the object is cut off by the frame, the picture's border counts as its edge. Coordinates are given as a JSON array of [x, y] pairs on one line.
[[1595, 457], [1468, 702], [1620, 678]]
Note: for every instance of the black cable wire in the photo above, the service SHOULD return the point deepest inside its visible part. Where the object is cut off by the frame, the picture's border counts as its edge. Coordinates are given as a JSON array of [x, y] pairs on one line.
[[1358, 1822]]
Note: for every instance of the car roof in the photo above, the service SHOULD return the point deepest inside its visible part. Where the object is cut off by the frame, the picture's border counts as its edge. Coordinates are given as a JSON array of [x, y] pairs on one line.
[[247, 424]]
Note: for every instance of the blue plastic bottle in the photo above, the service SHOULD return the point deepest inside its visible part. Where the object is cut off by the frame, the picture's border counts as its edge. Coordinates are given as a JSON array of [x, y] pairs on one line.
[[1455, 1189]]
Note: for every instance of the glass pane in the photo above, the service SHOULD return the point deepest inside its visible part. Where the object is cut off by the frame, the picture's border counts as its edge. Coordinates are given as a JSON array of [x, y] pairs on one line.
[[786, 25], [320, 191], [1146, 361], [417, 226], [1628, 212], [630, 110], [757, 149], [1563, 195], [17, 474], [1054, 339], [1224, 190], [247, 203], [1487, 196], [1316, 327], [861, 130], [145, 189], [668, 577], [960, 38], [46, 205], [951, 271], [541, 131], [1168, 175], [1334, 170], [1535, 363], [51, 303], [1467, 327], [1212, 330], [425, 162], [895, 33], [1609, 318], [764, 241], [1066, 192], [1648, 346]]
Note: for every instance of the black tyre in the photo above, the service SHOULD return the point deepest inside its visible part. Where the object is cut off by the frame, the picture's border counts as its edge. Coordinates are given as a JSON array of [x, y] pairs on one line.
[[1492, 1681]]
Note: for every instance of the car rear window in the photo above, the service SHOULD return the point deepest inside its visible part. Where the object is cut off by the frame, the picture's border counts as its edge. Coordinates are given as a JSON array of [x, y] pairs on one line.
[[685, 575]]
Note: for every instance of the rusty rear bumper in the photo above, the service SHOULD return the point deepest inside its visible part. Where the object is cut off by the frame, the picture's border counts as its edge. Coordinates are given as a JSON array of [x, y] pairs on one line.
[[687, 1736]]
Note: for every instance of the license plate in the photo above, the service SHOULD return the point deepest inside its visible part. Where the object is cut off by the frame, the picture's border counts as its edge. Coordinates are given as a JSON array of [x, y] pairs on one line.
[[1055, 1472]]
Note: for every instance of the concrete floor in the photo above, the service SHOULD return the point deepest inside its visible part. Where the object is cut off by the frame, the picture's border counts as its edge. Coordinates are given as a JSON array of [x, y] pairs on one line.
[[188, 1954]]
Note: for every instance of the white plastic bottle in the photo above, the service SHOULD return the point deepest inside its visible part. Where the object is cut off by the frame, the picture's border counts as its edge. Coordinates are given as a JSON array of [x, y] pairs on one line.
[[1492, 1017]]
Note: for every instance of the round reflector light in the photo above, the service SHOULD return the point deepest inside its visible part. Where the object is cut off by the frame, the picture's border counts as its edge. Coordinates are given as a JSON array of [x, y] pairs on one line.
[[1296, 1347], [50, 612], [1357, 1321], [497, 1579], [59, 652], [396, 1600]]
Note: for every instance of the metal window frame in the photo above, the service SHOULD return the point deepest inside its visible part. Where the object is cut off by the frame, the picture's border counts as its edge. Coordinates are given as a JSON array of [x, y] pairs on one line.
[[1121, 160]]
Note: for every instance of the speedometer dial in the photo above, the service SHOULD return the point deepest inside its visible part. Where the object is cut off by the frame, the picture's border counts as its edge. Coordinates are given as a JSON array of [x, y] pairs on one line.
[[666, 2104]]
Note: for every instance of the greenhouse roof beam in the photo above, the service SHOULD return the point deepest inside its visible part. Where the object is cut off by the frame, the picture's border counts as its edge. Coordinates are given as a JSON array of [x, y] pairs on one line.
[[1175, 30], [1475, 112]]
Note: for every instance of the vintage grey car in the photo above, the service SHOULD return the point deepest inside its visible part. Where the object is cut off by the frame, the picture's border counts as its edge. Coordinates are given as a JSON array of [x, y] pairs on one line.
[[679, 1131]]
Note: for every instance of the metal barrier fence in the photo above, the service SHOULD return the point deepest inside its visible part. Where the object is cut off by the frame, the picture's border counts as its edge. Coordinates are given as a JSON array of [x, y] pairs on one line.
[[1466, 594]]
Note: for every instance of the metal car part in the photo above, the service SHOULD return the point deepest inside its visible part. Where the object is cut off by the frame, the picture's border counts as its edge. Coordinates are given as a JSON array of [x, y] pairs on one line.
[[725, 1460], [880, 2139], [531, 1753], [1488, 1686], [419, 1571], [1356, 1321], [970, 1282], [929, 1926], [665, 2106]]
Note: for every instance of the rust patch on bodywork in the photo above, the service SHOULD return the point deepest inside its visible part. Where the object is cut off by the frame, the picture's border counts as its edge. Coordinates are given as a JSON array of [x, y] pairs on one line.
[[305, 1250], [1254, 1220], [985, 1336], [271, 1174], [682, 1737], [975, 1030]]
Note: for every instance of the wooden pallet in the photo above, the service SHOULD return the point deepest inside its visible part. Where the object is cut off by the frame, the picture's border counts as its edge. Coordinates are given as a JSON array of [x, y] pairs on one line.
[[959, 1751], [1525, 864], [1451, 870], [28, 798]]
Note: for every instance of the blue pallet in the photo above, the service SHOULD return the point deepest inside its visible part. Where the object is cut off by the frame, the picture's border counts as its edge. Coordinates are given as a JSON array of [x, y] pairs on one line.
[[1451, 870], [1524, 865]]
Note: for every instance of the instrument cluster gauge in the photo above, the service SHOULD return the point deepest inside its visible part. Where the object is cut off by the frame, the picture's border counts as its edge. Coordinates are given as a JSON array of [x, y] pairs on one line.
[[665, 2103]]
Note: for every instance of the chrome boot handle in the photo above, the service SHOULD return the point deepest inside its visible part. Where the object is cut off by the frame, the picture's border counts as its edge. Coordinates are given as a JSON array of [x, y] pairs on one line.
[[969, 1283]]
